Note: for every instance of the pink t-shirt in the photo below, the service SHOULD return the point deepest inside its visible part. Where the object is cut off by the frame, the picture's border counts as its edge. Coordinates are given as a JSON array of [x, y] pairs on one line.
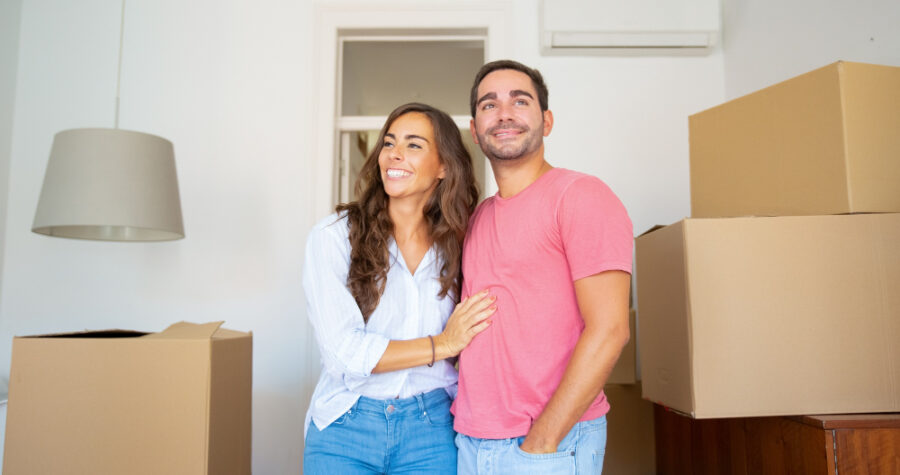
[[529, 249]]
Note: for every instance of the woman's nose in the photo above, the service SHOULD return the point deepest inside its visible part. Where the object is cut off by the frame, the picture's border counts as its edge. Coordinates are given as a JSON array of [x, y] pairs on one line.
[[394, 153]]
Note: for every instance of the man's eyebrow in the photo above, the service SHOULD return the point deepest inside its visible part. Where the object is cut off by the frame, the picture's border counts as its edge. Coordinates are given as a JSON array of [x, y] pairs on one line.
[[490, 95], [513, 93], [519, 92]]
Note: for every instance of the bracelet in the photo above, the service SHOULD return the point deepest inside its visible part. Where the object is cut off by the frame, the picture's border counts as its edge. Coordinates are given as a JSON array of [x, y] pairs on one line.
[[431, 339]]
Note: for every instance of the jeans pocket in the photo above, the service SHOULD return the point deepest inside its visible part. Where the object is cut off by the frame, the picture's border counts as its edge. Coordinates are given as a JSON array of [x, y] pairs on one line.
[[555, 463], [560, 455], [345, 417], [438, 416]]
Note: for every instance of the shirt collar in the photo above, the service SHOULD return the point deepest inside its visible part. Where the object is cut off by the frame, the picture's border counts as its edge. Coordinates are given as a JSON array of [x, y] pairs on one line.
[[396, 256]]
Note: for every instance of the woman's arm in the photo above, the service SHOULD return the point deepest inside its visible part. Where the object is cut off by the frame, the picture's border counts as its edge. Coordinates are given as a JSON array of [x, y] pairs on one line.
[[347, 348], [344, 344], [469, 318]]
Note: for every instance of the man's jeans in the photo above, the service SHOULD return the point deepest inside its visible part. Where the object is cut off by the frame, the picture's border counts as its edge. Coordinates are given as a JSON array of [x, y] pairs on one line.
[[580, 452]]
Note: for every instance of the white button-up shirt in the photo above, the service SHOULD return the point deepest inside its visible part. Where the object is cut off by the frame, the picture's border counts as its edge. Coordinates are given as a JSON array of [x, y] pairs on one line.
[[409, 308]]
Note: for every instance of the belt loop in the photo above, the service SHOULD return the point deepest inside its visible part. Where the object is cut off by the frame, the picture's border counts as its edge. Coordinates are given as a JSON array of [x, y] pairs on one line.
[[421, 401]]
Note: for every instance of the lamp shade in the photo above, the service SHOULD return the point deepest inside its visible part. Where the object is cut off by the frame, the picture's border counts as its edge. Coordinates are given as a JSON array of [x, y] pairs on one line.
[[110, 184]]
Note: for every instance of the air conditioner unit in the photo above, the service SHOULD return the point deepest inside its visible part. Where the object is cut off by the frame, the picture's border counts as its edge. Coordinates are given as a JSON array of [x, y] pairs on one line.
[[629, 26]]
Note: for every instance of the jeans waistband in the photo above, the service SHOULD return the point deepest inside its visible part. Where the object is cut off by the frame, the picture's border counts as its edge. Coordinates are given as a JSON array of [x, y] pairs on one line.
[[415, 404], [580, 427]]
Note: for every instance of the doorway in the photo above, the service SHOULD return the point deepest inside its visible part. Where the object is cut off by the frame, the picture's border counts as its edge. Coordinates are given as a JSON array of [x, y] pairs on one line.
[[449, 30], [381, 69]]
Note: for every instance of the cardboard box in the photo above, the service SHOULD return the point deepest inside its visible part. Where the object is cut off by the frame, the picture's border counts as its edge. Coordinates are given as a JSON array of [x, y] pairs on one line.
[[825, 142], [630, 443], [771, 316], [114, 402], [625, 370]]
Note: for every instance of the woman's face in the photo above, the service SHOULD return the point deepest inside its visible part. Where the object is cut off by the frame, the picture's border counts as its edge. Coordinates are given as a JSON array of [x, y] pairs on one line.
[[409, 161]]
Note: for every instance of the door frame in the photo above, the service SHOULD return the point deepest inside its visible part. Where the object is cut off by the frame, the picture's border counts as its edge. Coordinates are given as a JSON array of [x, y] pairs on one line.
[[349, 123], [330, 19]]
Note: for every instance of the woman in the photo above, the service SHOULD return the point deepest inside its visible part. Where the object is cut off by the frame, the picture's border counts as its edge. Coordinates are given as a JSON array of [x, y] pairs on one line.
[[381, 278]]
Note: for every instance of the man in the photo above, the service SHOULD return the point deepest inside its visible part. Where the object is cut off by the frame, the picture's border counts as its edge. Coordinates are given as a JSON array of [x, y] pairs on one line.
[[554, 246]]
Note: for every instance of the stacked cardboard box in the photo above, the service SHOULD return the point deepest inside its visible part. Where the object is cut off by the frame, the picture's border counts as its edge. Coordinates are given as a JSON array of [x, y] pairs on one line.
[[772, 299], [173, 402], [826, 142]]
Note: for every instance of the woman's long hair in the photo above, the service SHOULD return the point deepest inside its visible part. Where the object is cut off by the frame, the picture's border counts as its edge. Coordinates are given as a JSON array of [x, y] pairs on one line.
[[446, 213]]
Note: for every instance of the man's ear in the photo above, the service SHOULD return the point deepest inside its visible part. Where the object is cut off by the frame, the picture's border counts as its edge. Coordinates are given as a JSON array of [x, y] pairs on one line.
[[548, 122], [472, 130]]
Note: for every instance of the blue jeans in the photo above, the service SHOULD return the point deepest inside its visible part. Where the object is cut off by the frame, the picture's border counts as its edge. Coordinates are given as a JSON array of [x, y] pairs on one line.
[[412, 435], [581, 451]]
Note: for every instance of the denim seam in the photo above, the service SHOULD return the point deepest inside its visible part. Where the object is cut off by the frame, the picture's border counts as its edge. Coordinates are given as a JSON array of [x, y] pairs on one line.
[[553, 456]]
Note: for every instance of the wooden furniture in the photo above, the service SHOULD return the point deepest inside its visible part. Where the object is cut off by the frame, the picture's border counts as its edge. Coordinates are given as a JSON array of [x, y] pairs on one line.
[[863, 444]]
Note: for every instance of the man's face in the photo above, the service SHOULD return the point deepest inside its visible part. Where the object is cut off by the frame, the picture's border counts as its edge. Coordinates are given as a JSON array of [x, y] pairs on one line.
[[509, 123]]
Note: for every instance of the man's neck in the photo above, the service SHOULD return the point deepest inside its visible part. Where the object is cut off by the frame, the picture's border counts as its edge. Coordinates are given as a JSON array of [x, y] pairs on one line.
[[515, 175]]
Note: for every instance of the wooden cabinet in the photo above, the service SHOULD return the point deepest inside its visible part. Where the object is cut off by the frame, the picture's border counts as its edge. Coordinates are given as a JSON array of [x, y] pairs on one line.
[[862, 444]]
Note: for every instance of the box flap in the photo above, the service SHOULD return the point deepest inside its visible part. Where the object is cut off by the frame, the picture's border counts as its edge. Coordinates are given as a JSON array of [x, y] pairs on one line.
[[226, 333], [188, 331], [654, 228]]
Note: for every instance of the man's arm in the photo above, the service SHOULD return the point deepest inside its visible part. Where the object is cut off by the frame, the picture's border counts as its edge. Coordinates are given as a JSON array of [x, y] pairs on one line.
[[603, 302]]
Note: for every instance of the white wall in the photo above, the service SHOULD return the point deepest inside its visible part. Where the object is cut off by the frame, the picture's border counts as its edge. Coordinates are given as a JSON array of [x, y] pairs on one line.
[[768, 41], [230, 83], [9, 56]]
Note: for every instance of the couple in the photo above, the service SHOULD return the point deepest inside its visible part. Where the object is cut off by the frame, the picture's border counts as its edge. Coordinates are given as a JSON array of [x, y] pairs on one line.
[[541, 272]]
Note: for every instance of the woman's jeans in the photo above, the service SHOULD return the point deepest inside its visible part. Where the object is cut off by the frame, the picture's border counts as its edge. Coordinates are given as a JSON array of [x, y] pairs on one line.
[[412, 435]]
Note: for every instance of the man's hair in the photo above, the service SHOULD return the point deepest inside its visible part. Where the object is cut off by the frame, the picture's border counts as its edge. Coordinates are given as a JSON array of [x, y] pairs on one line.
[[536, 80]]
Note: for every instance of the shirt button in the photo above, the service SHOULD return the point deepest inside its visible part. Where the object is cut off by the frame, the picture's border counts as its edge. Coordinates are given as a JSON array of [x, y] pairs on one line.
[[390, 408]]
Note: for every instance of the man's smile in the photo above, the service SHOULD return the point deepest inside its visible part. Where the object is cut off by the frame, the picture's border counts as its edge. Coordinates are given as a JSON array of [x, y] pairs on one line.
[[506, 131]]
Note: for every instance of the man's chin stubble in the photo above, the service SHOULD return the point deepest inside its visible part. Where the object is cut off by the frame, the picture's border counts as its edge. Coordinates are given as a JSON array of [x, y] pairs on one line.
[[511, 156]]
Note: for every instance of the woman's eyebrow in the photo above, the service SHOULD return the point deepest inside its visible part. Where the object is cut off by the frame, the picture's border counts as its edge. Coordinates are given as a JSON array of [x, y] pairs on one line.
[[414, 136]]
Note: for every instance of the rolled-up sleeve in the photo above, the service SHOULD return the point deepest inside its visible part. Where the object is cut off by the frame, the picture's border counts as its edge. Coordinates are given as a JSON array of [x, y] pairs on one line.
[[345, 345]]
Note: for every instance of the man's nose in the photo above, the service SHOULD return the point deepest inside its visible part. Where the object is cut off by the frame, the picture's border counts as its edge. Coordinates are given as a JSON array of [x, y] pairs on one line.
[[504, 112]]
